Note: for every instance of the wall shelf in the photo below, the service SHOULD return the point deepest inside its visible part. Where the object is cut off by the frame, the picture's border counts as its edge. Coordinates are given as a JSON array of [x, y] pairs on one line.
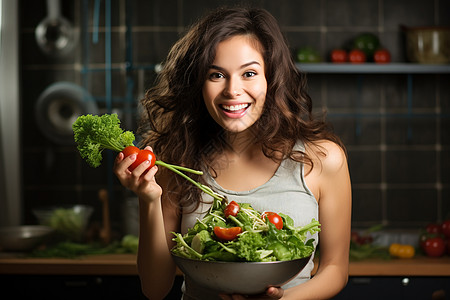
[[373, 68]]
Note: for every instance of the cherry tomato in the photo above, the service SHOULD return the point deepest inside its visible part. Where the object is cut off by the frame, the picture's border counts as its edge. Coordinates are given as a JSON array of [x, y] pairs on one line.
[[231, 209], [445, 228], [433, 228], [227, 234], [435, 247], [356, 56], [382, 56], [142, 155], [273, 218], [338, 56]]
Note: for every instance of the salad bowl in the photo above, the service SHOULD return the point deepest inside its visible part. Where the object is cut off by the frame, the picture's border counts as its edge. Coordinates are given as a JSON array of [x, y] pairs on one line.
[[245, 278]]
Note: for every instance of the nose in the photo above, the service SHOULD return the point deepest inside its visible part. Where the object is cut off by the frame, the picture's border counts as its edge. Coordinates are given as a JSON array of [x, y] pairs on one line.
[[233, 88]]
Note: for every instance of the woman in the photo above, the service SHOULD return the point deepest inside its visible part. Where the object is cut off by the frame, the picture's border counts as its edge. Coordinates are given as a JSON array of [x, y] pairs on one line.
[[231, 102]]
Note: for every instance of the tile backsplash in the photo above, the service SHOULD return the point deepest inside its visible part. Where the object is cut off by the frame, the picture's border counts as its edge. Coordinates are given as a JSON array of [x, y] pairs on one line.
[[399, 148]]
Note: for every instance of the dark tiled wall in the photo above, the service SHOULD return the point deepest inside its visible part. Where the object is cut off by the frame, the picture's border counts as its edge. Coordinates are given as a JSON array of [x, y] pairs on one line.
[[399, 151]]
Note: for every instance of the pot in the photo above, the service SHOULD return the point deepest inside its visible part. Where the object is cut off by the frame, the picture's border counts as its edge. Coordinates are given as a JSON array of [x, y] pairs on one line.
[[55, 35], [428, 45], [59, 106]]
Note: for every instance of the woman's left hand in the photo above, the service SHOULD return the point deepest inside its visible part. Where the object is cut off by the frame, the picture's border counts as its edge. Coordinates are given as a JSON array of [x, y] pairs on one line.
[[271, 293]]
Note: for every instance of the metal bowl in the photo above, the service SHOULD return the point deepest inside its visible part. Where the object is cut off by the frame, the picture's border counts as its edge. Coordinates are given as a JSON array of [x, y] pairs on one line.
[[68, 221], [23, 238], [245, 278]]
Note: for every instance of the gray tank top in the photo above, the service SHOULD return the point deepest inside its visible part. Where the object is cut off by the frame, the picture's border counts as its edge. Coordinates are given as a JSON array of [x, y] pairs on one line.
[[285, 192]]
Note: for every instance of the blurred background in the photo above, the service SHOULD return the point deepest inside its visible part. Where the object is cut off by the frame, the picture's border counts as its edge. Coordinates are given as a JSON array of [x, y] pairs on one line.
[[395, 124]]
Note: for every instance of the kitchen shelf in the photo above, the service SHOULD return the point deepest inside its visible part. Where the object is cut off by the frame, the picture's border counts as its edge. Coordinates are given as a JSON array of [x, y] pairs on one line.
[[373, 68]]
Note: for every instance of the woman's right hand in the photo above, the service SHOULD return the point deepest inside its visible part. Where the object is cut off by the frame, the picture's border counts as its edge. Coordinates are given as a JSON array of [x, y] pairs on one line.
[[140, 181]]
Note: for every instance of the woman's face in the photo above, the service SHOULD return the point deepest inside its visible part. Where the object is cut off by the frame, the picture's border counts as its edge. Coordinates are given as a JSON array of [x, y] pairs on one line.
[[235, 87]]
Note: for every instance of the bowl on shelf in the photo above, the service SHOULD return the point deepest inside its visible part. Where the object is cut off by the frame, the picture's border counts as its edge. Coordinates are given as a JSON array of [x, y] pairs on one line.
[[427, 45], [69, 222], [23, 238], [240, 277]]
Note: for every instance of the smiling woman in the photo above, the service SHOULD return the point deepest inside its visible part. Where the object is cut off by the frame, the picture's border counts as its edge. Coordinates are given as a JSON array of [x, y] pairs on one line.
[[230, 101]]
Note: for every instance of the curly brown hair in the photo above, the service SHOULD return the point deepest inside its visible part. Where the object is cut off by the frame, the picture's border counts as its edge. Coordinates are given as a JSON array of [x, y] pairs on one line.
[[178, 126]]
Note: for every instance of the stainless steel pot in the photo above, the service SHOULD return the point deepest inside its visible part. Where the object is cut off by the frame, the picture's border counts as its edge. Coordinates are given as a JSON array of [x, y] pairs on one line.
[[55, 35]]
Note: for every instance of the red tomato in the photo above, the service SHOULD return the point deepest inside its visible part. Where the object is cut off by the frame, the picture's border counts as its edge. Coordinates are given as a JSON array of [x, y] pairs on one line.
[[338, 56], [273, 218], [142, 155], [356, 56], [445, 228], [227, 234], [382, 56], [435, 247], [130, 150], [232, 209], [433, 228]]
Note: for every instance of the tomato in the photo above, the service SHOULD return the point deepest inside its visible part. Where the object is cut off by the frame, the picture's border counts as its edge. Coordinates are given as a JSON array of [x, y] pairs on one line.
[[435, 247], [382, 56], [142, 155], [445, 228], [130, 150], [356, 56], [273, 218], [232, 209], [434, 228], [338, 56], [227, 234]]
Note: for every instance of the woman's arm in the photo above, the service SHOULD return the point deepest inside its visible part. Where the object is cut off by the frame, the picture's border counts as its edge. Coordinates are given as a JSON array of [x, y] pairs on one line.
[[330, 182], [157, 218]]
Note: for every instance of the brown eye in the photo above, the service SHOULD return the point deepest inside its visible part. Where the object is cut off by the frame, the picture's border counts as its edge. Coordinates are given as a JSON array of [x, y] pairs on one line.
[[249, 74]]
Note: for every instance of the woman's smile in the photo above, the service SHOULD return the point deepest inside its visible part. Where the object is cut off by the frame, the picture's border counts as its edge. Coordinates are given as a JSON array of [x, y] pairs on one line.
[[234, 111]]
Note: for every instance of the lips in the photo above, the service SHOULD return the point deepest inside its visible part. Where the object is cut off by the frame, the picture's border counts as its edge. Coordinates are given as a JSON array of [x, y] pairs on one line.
[[234, 111]]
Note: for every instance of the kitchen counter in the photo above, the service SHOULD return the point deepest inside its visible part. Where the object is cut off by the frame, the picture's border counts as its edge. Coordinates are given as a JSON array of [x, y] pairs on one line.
[[125, 264]]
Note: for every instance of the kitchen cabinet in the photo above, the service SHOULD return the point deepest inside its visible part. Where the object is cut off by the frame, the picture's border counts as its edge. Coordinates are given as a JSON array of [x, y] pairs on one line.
[[115, 276], [76, 287], [399, 287]]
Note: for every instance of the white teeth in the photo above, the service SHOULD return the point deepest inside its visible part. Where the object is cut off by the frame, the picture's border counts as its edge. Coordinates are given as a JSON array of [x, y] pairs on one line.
[[235, 107]]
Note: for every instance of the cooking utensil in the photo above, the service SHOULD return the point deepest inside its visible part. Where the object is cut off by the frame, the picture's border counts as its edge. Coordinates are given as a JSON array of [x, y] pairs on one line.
[[105, 231], [427, 45], [68, 221], [240, 277], [23, 238], [55, 35], [59, 106]]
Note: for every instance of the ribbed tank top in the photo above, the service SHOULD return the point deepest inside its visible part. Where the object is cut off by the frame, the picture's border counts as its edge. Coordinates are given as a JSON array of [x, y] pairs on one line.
[[284, 192]]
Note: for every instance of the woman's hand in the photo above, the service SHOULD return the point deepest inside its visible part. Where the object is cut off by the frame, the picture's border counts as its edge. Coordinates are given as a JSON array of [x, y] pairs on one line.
[[271, 293], [141, 181]]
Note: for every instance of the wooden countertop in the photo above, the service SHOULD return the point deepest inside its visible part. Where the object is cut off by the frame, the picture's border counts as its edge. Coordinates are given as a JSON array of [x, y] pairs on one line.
[[125, 264]]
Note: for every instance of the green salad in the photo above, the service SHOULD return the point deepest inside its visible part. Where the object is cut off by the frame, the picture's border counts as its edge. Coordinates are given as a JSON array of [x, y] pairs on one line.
[[237, 232]]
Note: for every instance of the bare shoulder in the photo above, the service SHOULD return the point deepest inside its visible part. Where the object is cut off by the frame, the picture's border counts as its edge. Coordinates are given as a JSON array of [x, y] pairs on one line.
[[328, 156]]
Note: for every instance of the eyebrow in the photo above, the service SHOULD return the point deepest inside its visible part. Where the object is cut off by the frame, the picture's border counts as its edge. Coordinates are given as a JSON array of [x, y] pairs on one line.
[[241, 67]]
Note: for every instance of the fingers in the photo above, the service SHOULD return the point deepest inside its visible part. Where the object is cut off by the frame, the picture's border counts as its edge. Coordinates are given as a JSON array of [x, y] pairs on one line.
[[275, 293]]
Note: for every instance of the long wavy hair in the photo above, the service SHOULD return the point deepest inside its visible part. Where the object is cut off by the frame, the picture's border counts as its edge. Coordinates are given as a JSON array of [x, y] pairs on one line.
[[177, 124]]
